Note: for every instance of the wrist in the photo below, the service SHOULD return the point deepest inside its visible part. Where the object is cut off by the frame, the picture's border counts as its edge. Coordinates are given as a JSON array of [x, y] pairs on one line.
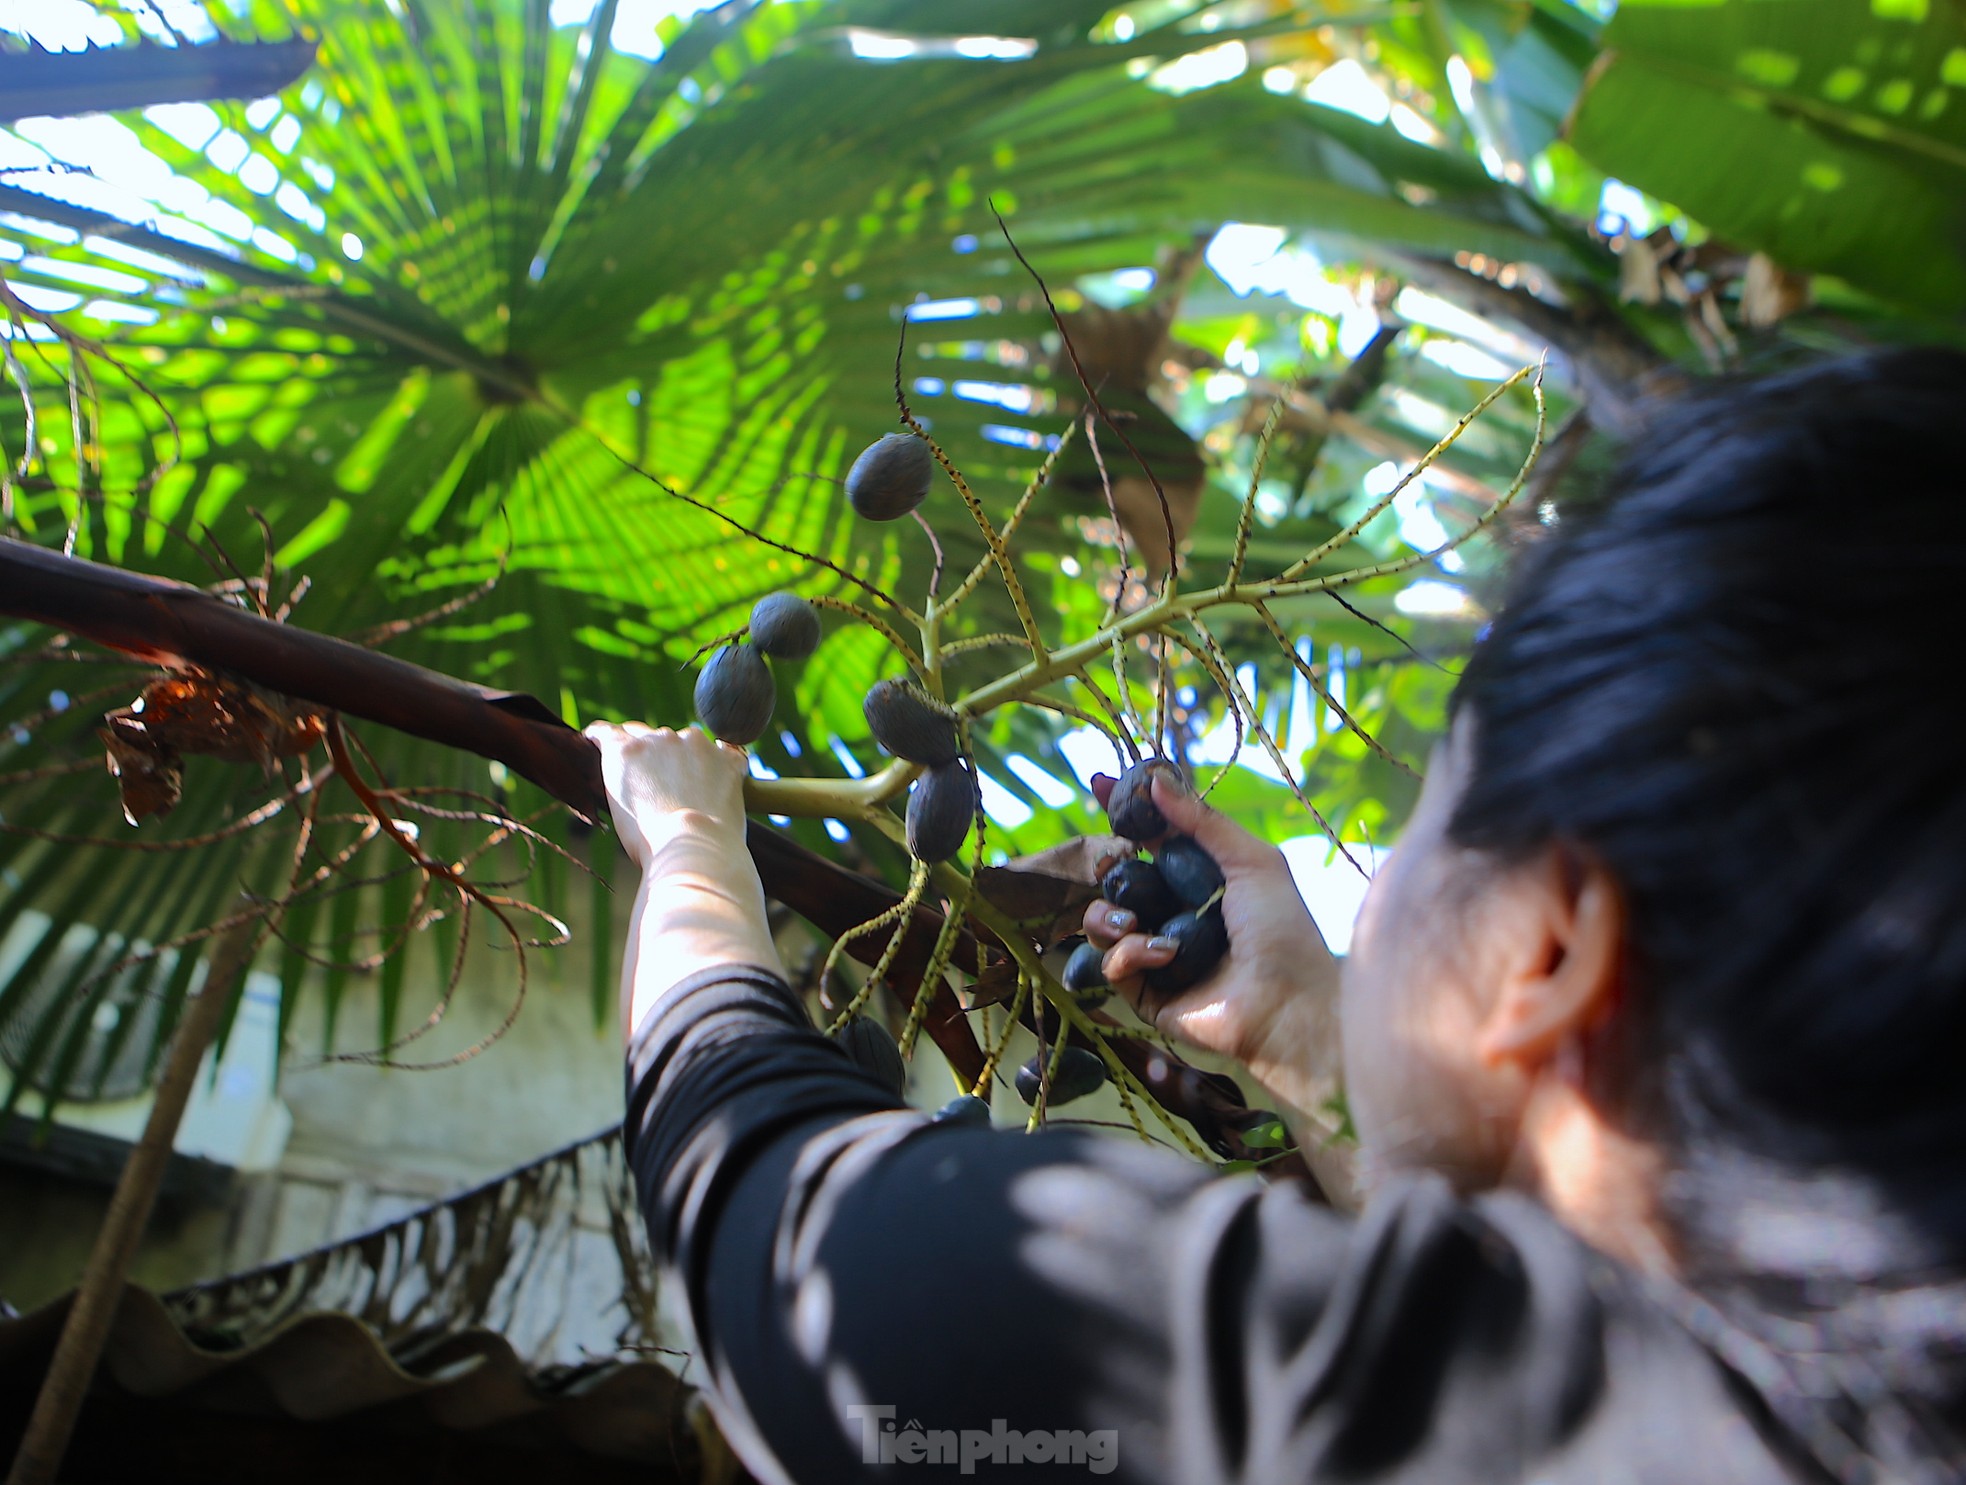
[[1294, 1091], [699, 906], [1293, 1055], [1285, 1079], [675, 833]]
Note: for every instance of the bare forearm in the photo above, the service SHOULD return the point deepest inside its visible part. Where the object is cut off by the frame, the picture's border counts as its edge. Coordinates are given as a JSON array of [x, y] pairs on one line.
[[678, 801], [699, 906]]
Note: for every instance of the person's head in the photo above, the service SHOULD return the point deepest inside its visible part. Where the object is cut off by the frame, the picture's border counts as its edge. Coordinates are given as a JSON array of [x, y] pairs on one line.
[[1696, 851]]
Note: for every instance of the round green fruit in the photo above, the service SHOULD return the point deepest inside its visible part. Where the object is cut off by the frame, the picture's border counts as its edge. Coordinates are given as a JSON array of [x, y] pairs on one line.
[[785, 626], [734, 694], [891, 477]]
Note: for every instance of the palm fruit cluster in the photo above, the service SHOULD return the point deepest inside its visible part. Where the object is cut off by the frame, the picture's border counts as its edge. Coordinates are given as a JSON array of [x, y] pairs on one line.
[[1177, 895], [735, 691], [911, 724], [891, 478]]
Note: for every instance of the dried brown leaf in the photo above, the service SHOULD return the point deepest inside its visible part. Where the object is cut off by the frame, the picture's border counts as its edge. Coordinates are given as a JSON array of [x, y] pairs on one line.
[[996, 986], [148, 771], [195, 712], [1770, 293], [1051, 888], [1083, 858]]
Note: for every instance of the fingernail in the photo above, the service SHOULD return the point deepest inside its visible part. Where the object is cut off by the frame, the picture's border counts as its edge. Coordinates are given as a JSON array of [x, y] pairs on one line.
[[1120, 920], [1161, 944]]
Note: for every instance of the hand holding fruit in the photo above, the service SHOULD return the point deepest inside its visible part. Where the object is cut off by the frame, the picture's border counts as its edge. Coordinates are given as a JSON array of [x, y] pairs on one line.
[[1258, 1005]]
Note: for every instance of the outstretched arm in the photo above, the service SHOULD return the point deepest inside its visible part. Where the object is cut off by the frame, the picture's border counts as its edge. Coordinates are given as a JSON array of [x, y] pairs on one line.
[[863, 1284], [678, 801]]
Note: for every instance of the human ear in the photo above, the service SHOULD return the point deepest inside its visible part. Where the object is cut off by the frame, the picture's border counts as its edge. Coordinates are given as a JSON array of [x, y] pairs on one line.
[[1562, 969]]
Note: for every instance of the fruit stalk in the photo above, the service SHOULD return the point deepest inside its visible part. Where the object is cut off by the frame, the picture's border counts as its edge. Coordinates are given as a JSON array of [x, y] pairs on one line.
[[999, 552], [1011, 523], [1031, 967]]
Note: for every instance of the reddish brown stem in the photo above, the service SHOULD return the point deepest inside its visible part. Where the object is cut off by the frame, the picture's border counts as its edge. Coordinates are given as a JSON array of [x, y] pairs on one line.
[[173, 624]]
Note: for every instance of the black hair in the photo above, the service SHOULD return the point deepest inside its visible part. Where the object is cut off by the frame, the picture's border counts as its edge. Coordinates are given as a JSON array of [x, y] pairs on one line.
[[1733, 679]]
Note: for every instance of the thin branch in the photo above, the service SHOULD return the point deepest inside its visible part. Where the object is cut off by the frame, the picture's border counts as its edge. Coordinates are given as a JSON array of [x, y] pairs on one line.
[[980, 1088], [1384, 628], [1425, 462], [381, 634], [1316, 682], [901, 911], [1079, 715], [880, 626], [1012, 522], [1247, 516], [981, 642], [1220, 677], [469, 893], [999, 552], [1271, 747], [1128, 707], [1113, 510], [1092, 396], [634, 467], [935, 576], [944, 950]]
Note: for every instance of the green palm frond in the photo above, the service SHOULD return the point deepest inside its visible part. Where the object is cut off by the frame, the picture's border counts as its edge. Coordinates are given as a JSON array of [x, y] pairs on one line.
[[484, 290]]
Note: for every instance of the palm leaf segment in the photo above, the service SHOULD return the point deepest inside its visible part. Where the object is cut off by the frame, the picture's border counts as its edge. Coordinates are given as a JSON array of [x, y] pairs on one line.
[[481, 287]]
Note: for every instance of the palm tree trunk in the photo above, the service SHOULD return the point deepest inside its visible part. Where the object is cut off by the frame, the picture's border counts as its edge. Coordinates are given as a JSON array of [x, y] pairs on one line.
[[96, 1302]]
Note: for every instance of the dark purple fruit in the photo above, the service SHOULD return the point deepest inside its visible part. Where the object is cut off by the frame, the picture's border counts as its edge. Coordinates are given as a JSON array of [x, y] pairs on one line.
[[1139, 887], [875, 1052], [1079, 1072], [940, 808], [785, 626], [734, 694], [910, 723], [1190, 872], [891, 477], [1200, 941], [1085, 970], [965, 1109], [1131, 805]]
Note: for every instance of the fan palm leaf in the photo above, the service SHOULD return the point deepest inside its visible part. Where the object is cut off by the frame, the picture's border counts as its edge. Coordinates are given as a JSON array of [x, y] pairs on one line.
[[482, 291]]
